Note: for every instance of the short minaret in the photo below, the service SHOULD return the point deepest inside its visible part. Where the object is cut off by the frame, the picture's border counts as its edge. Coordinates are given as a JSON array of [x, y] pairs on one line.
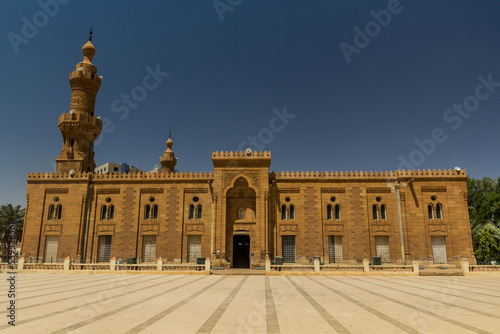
[[80, 128], [168, 160]]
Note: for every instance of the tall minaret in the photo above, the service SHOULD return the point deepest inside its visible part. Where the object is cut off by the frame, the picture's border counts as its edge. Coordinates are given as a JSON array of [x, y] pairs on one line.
[[168, 160], [80, 128]]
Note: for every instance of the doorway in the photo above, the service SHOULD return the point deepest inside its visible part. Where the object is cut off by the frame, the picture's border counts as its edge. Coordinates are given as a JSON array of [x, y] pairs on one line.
[[241, 251]]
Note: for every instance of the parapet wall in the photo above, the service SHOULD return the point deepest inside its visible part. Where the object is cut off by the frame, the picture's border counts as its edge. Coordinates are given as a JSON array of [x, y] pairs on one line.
[[445, 173]]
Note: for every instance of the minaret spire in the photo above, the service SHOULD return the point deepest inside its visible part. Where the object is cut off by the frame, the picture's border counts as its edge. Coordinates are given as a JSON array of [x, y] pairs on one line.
[[168, 160], [80, 128]]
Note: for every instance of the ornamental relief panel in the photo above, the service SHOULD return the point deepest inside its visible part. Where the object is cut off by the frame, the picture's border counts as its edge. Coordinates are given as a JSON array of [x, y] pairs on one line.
[[228, 177]]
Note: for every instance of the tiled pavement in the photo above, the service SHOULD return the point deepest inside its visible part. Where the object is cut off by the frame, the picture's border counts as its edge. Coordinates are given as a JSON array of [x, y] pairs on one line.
[[113, 303]]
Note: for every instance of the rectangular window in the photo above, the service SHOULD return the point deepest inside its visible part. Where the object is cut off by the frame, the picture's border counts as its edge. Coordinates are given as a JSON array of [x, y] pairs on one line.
[[288, 248], [51, 243], [335, 247], [149, 248], [115, 169], [194, 247], [104, 248], [439, 249], [382, 247]]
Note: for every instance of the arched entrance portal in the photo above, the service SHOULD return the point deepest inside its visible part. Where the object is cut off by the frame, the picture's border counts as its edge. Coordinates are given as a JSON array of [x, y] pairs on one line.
[[240, 223]]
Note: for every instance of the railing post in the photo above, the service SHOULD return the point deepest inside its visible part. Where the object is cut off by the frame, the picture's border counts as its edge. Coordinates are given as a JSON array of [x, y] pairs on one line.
[[366, 265], [415, 267], [316, 265], [112, 264], [20, 263], [159, 264], [66, 263], [207, 265], [268, 265], [464, 264]]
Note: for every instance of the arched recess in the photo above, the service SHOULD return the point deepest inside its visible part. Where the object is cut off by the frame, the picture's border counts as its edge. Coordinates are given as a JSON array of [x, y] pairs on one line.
[[238, 231]]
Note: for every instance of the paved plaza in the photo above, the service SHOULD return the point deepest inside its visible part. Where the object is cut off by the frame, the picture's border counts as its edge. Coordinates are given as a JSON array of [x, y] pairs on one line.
[[126, 303]]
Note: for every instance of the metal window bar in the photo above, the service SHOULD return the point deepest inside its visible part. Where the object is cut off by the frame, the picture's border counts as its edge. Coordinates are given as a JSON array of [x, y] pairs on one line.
[[104, 248], [439, 249], [51, 243], [382, 247], [149, 248], [194, 247], [288, 248], [335, 247]]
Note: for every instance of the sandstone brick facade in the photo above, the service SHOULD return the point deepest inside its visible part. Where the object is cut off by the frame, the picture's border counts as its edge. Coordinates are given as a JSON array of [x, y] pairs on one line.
[[239, 214]]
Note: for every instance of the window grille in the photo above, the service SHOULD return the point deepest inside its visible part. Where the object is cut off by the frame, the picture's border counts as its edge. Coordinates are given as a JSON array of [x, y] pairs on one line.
[[149, 248], [288, 248], [104, 249], [439, 249], [335, 245], [194, 247], [382, 247], [51, 243]]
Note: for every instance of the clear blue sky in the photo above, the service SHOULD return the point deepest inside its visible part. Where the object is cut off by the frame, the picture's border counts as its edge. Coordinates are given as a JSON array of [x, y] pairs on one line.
[[226, 77]]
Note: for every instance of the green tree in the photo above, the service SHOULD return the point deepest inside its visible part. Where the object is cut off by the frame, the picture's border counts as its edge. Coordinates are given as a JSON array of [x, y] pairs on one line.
[[489, 246], [484, 213], [10, 216]]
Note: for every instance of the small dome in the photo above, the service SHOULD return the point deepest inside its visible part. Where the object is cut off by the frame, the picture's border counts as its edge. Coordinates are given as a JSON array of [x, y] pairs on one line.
[[88, 51]]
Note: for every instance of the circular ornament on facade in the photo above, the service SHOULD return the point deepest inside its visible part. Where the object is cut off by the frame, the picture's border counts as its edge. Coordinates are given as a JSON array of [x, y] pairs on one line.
[[433, 197], [332, 198], [80, 69], [108, 199], [378, 199], [195, 199], [248, 151], [151, 199], [287, 199], [56, 199]]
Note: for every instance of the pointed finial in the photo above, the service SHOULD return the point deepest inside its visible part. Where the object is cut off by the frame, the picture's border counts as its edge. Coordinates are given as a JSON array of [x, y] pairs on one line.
[[170, 134], [90, 34]]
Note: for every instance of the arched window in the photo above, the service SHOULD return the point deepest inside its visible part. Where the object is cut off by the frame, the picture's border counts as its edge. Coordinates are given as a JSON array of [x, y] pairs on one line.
[[111, 212], [199, 210], [191, 211], [375, 211], [439, 211], [241, 213], [431, 211], [59, 211], [292, 211], [155, 212], [337, 212], [103, 212], [51, 212], [383, 212], [329, 212], [147, 212], [283, 212]]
